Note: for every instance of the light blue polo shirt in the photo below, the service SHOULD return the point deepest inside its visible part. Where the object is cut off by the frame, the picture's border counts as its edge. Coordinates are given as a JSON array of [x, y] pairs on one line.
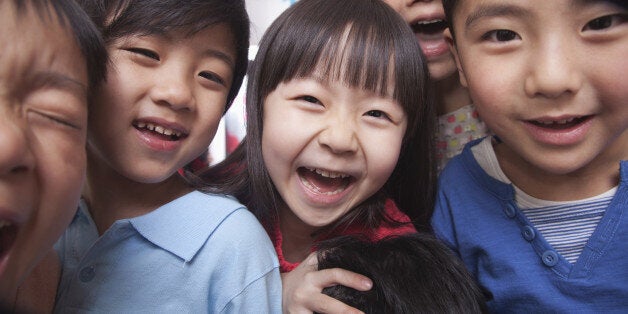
[[197, 254]]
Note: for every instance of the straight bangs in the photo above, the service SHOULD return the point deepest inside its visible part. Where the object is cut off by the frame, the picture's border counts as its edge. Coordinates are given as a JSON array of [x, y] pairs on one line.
[[359, 43], [360, 50]]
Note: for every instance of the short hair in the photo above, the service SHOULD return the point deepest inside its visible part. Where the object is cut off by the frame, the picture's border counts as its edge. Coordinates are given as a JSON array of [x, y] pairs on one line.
[[361, 38], [413, 273], [119, 18], [85, 34]]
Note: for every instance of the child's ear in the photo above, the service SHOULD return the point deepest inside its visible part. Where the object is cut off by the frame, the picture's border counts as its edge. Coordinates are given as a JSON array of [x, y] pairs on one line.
[[452, 47]]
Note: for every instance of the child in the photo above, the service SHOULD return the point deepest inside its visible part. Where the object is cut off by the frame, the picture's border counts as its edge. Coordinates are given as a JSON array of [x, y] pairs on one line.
[[458, 121], [538, 213], [339, 124], [412, 273], [143, 239], [51, 57]]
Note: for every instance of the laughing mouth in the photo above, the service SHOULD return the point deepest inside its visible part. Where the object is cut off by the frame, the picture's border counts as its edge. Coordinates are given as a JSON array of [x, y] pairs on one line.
[[159, 130], [430, 27], [561, 124], [323, 181], [8, 233]]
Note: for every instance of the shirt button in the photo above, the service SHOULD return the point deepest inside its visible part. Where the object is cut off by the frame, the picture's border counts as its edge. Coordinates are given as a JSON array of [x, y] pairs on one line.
[[87, 274], [528, 233], [550, 258], [510, 211]]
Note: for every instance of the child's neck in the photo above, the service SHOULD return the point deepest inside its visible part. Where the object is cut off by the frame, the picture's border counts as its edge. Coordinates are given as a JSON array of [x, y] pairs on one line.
[[450, 95], [597, 177], [297, 236], [112, 197]]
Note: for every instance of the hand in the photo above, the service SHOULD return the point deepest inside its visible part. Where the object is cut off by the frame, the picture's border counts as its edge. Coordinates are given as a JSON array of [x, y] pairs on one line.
[[302, 288]]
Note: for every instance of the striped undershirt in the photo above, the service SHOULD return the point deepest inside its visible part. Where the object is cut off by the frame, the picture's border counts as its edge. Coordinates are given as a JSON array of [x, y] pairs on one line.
[[568, 227]]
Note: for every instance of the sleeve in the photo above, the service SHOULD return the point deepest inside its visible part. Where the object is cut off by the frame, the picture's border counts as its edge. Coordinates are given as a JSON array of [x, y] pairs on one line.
[[250, 271]]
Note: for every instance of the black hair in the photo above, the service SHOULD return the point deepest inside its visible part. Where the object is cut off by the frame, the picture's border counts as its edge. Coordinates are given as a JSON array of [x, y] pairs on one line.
[[414, 273], [119, 18], [376, 45], [86, 35]]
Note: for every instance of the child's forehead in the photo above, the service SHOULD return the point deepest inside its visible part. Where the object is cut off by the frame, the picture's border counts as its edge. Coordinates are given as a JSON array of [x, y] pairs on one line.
[[41, 50], [474, 10]]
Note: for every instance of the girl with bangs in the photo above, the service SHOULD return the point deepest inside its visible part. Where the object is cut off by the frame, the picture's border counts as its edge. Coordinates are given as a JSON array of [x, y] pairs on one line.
[[339, 139]]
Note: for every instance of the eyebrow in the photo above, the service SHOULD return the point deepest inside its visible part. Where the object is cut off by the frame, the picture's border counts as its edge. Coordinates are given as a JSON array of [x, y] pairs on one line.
[[220, 55], [58, 80], [496, 10]]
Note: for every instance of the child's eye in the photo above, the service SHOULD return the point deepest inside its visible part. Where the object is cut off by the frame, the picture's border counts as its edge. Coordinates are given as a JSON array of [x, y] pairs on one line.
[[377, 114], [212, 77], [56, 120], [144, 52], [310, 99], [604, 22], [500, 35]]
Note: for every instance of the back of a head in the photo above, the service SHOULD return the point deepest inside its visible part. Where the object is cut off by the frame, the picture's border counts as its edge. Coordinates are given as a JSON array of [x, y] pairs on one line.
[[414, 273]]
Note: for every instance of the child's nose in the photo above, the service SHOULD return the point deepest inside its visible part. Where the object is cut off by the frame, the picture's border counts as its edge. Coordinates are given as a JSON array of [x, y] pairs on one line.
[[554, 70], [15, 151], [339, 136], [174, 89]]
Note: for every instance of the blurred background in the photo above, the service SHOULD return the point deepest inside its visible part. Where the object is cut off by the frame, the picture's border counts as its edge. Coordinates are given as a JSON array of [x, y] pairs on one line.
[[232, 127]]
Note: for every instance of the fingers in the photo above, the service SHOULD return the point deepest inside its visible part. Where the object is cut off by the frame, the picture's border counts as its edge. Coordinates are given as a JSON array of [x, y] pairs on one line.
[[302, 288], [338, 276], [333, 276]]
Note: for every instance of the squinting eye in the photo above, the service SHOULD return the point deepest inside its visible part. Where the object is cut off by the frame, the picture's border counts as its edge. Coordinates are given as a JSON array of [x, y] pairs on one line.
[[56, 120], [500, 35], [311, 99], [212, 77], [144, 52], [376, 114], [604, 22]]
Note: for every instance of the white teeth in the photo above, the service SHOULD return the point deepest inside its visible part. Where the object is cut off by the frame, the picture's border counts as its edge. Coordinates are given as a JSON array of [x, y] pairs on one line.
[[328, 174], [158, 129], [5, 223], [563, 121]]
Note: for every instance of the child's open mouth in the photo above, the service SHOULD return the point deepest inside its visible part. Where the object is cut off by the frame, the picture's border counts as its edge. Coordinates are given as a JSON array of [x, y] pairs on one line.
[[431, 27], [558, 125], [160, 131], [324, 182], [8, 233]]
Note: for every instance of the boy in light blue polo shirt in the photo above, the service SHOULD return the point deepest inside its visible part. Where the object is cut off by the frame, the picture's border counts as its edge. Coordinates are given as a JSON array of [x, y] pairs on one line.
[[144, 240]]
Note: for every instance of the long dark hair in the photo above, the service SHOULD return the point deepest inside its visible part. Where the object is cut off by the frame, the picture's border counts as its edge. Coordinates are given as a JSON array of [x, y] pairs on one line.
[[305, 38]]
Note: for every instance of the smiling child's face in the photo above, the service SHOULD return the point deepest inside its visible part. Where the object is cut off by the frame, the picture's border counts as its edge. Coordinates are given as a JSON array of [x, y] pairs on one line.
[[548, 77], [162, 102], [328, 147], [43, 104]]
